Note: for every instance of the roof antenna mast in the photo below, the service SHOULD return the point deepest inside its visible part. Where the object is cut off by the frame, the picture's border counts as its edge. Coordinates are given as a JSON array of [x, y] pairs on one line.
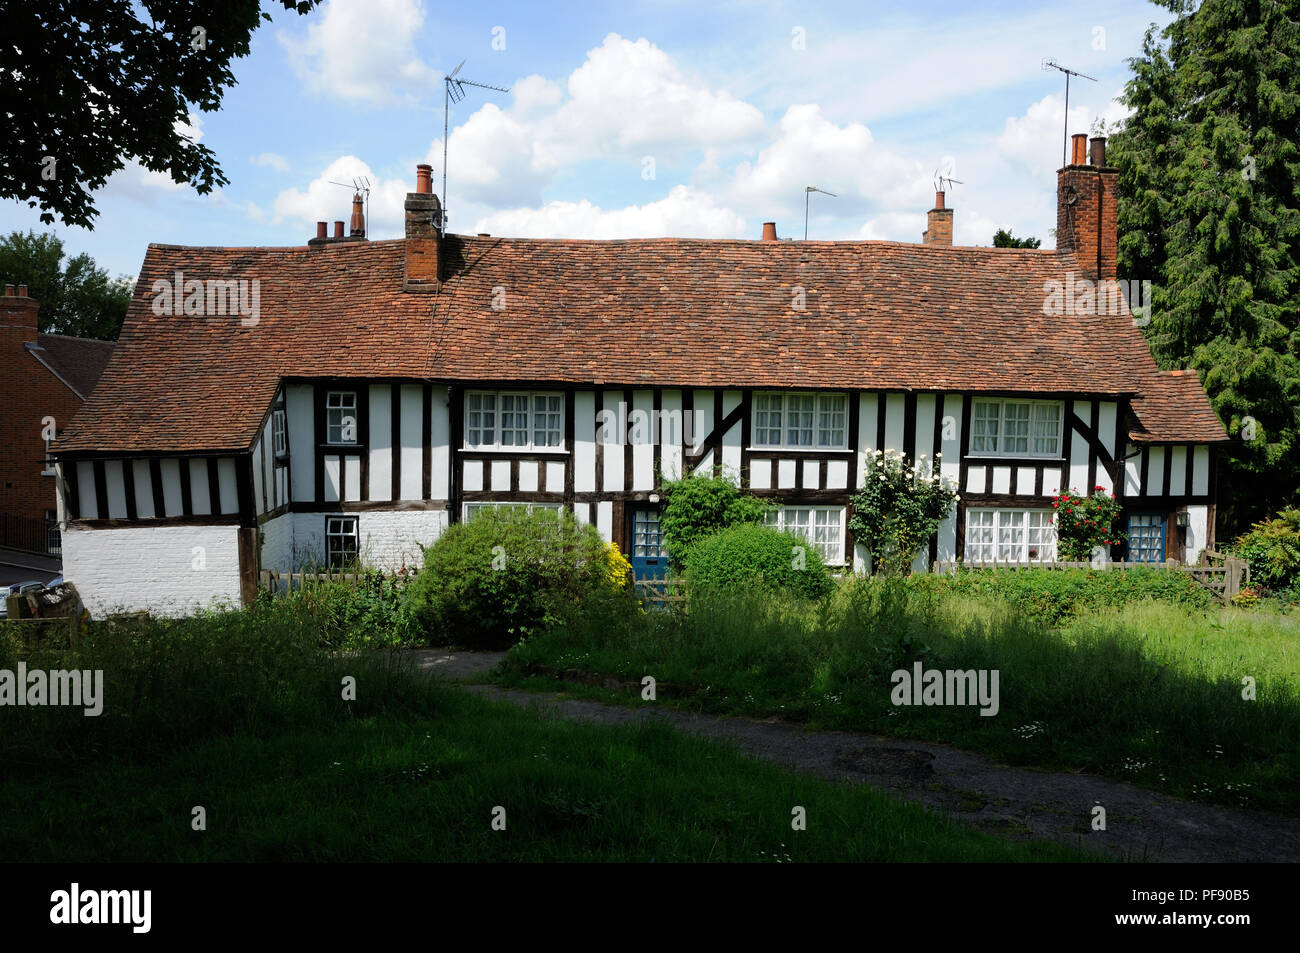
[[454, 92], [1050, 63], [807, 194]]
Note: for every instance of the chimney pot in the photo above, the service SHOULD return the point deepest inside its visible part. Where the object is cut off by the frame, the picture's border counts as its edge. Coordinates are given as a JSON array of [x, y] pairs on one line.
[[938, 200], [9, 291], [1097, 145], [320, 229], [423, 179], [1077, 149], [22, 291], [338, 229], [358, 226], [769, 231]]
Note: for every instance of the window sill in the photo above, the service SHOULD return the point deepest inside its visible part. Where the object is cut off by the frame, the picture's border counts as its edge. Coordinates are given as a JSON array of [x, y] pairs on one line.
[[818, 451], [1024, 459], [511, 451]]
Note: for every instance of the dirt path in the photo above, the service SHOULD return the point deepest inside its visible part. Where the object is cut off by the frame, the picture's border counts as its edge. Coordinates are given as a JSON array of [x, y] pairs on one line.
[[1004, 800]]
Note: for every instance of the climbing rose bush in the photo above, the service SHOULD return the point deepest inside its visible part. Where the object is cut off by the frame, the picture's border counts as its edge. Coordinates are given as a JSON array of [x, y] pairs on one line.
[[1084, 523], [898, 509]]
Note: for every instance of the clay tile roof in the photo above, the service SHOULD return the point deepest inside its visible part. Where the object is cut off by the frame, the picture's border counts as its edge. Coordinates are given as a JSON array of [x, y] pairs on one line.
[[653, 312], [1171, 408], [79, 362]]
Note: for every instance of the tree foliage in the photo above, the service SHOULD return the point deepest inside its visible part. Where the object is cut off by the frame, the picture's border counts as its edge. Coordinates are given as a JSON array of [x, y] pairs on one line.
[[86, 86], [76, 296], [1209, 212], [1003, 238], [699, 506]]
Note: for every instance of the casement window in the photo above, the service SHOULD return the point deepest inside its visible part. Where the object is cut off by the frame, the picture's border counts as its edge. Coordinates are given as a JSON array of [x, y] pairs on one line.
[[822, 526], [1020, 428], [801, 421], [474, 509], [340, 540], [279, 436], [1010, 536], [341, 417], [1146, 538], [509, 420]]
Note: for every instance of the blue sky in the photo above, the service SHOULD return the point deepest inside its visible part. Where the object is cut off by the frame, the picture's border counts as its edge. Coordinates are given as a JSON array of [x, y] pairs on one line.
[[636, 119]]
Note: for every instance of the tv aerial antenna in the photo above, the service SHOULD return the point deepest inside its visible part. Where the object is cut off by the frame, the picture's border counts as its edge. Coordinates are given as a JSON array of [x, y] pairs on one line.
[[1050, 63], [360, 186], [807, 194], [454, 92]]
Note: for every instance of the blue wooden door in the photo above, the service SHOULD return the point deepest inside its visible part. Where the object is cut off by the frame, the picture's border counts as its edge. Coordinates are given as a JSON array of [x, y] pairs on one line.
[[649, 558]]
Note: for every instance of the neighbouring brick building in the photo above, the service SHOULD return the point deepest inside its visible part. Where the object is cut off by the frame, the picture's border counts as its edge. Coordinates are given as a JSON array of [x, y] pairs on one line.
[[44, 378], [383, 390]]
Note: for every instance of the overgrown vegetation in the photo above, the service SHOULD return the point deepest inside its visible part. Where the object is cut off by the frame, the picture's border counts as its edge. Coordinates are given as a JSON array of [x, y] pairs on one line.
[[246, 709], [1138, 688], [1272, 547], [1085, 522]]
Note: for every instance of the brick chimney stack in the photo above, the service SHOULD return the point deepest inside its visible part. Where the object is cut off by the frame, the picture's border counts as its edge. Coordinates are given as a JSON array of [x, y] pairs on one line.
[[18, 315], [1085, 208], [939, 224], [423, 234]]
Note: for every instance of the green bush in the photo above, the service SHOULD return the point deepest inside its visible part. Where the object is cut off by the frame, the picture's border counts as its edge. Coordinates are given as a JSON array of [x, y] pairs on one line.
[[1272, 548], [747, 556], [372, 613], [506, 574], [1052, 596], [700, 506]]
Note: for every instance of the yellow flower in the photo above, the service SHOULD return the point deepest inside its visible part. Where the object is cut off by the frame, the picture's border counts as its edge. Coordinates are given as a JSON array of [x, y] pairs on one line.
[[618, 569]]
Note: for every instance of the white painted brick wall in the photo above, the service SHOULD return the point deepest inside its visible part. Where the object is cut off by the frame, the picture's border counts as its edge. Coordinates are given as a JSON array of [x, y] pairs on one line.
[[152, 568], [388, 540]]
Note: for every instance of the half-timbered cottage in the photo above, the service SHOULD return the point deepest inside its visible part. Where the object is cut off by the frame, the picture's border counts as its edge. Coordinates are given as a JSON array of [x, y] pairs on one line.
[[277, 407]]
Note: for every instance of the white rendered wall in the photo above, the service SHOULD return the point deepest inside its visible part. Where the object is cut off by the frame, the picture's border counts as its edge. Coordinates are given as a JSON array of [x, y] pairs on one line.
[[166, 570]]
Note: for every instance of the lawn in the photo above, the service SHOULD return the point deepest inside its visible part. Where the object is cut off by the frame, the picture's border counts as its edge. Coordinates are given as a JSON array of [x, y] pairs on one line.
[[1145, 690], [241, 713]]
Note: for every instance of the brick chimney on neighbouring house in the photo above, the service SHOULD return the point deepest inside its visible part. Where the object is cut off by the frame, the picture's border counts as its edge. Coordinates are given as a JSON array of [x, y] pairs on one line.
[[423, 233], [1085, 209], [18, 316], [938, 224]]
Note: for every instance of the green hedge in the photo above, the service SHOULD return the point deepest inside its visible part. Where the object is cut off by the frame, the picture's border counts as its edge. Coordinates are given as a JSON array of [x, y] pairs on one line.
[[747, 556], [1054, 595]]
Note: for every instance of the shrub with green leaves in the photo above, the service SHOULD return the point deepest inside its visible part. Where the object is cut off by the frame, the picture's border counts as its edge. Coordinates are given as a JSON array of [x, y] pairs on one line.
[[898, 509], [1272, 547], [749, 557], [700, 506], [1085, 522], [506, 574]]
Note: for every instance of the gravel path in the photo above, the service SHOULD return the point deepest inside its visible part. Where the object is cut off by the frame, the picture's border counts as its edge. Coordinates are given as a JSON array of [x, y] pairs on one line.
[[1008, 801]]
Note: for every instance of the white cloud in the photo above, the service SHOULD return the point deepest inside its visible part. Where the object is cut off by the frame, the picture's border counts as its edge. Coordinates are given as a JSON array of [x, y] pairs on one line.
[[271, 160], [363, 51], [683, 213]]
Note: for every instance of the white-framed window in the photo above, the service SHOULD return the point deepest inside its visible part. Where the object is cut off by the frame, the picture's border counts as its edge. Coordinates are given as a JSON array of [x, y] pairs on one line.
[[822, 526], [473, 509], [341, 417], [1016, 428], [340, 540], [514, 420], [801, 421], [1010, 536], [279, 435]]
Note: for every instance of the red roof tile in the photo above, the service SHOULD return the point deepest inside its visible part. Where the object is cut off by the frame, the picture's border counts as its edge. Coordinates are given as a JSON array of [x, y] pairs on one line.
[[653, 312], [1173, 408]]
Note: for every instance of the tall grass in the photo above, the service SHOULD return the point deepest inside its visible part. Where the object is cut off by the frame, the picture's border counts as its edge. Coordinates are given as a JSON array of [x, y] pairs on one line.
[[1150, 692]]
